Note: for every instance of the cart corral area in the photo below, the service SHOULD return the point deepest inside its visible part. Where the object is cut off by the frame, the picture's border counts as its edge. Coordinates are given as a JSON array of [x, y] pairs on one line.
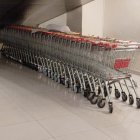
[[93, 66]]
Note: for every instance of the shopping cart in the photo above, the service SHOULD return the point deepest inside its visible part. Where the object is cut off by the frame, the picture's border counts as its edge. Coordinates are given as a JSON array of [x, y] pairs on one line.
[[92, 66]]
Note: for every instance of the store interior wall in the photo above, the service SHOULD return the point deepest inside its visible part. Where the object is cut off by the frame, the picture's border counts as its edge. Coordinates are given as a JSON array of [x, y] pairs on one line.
[[93, 18], [113, 18], [87, 19], [121, 20]]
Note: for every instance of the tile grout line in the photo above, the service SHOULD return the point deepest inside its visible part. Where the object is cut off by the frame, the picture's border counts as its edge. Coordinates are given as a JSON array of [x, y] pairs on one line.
[[45, 129]]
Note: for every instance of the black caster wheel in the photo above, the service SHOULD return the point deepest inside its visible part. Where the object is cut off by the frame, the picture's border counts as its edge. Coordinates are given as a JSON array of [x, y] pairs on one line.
[[110, 89], [124, 97], [49, 74], [59, 80], [138, 102], [55, 78], [52, 76], [110, 105], [131, 100], [40, 69], [86, 93], [90, 95], [117, 93], [94, 99], [44, 72], [32, 66], [105, 91], [101, 103], [36, 69], [63, 80], [67, 85]]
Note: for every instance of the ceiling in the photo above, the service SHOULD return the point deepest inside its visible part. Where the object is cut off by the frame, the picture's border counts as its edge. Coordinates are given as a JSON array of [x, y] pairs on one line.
[[6, 5], [34, 12]]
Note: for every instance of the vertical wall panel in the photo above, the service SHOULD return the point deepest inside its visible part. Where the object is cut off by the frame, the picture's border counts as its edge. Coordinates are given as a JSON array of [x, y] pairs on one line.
[[74, 19], [93, 18], [122, 19]]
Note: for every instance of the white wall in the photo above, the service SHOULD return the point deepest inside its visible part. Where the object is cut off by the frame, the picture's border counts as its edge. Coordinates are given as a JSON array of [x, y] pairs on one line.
[[93, 18], [122, 19], [60, 20]]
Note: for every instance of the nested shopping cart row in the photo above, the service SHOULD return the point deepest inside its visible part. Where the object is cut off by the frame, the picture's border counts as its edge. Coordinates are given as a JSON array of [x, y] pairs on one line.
[[87, 65]]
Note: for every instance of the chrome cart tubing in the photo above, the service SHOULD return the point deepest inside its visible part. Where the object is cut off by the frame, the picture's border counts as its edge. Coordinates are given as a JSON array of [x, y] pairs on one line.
[[87, 65], [129, 45], [103, 72], [130, 48], [107, 73], [112, 81]]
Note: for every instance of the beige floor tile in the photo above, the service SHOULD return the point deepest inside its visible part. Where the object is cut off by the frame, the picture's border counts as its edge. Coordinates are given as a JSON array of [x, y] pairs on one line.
[[26, 131], [63, 125], [88, 135], [26, 95], [13, 116], [126, 131]]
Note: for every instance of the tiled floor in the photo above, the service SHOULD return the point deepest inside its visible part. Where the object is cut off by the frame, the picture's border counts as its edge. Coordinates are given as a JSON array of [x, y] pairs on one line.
[[33, 107]]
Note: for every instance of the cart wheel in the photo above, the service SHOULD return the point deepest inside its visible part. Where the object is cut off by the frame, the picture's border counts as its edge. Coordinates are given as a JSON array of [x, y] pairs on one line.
[[124, 97], [94, 99], [110, 89], [138, 102], [67, 85], [101, 103], [52, 76], [49, 74], [86, 93], [46, 73], [39, 69], [55, 78], [110, 105], [99, 91], [36, 68], [59, 80], [131, 100], [63, 80], [105, 91], [90, 95], [117, 93]]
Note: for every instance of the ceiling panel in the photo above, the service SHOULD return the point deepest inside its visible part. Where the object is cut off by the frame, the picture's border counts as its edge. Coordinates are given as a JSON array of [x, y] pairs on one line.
[[7, 2]]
